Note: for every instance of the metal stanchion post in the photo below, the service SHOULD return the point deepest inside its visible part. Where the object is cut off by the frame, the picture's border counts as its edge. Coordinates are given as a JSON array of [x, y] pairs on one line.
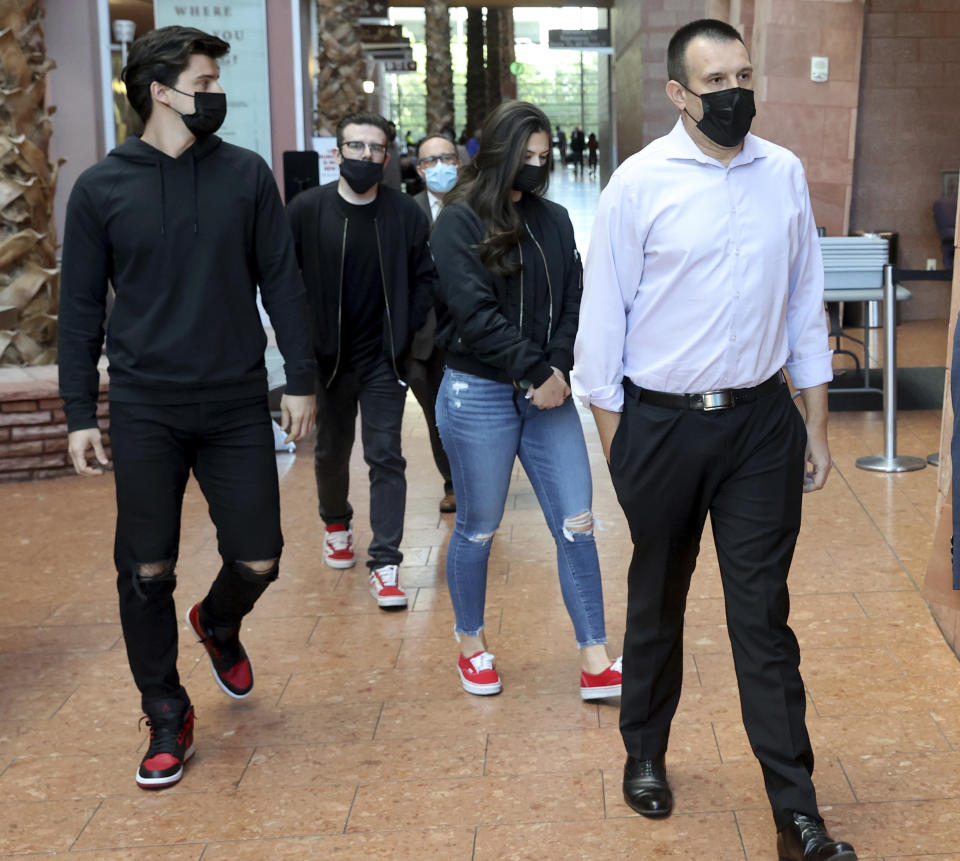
[[890, 461]]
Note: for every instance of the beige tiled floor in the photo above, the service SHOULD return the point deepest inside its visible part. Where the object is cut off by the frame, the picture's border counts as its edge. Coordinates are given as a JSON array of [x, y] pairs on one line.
[[359, 743]]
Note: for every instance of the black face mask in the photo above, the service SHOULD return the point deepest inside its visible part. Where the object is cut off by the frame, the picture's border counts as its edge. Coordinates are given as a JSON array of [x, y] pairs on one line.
[[210, 111], [727, 115], [361, 175], [529, 177]]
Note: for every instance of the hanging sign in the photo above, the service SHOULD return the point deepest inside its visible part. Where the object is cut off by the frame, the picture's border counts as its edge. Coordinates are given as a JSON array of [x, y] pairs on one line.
[[244, 72]]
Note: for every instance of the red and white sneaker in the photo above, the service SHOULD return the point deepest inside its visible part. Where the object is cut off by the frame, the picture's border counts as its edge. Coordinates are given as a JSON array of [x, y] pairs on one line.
[[171, 744], [338, 546], [478, 675], [601, 685], [385, 587], [231, 667]]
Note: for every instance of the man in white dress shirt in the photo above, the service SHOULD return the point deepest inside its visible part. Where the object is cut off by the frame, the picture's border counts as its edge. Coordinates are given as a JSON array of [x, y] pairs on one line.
[[704, 279]]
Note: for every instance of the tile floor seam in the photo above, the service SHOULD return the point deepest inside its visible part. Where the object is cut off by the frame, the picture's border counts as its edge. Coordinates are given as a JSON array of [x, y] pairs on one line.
[[376, 725], [863, 609], [940, 729], [246, 767], [86, 824], [889, 651], [843, 771], [743, 843], [346, 821], [65, 701], [696, 666], [716, 741], [486, 748], [283, 690]]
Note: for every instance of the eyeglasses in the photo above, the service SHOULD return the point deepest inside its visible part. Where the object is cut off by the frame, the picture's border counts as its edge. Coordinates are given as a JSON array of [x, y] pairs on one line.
[[358, 147], [431, 160]]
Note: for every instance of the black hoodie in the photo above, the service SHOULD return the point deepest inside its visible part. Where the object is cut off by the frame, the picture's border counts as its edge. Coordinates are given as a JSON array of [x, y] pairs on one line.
[[184, 242]]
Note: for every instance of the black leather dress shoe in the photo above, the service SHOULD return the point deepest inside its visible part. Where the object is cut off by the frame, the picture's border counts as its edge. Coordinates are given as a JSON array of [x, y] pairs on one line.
[[806, 839], [645, 787]]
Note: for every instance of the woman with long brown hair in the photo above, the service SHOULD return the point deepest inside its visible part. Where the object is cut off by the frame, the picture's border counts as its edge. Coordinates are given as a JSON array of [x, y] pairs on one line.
[[509, 296]]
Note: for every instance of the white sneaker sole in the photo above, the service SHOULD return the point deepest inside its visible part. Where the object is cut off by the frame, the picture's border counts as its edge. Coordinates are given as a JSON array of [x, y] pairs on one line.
[[340, 563], [479, 690], [600, 693], [160, 782], [390, 600]]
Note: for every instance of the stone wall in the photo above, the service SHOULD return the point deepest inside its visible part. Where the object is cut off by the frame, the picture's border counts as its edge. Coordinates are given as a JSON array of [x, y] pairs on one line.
[[908, 133], [33, 429]]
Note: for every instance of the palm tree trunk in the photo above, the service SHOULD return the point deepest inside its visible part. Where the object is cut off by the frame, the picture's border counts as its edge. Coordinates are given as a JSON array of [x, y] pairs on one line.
[[29, 277], [476, 80], [493, 57], [341, 66], [439, 66], [508, 81]]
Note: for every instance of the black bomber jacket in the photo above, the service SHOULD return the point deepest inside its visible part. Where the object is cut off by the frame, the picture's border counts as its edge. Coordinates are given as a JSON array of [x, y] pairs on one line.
[[484, 321]]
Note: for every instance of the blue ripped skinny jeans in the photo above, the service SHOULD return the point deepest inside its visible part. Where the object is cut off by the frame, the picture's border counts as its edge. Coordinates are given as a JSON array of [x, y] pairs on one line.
[[484, 429]]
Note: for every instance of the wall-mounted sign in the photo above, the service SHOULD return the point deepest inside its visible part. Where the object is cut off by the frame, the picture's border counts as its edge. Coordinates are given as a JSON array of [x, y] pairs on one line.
[[382, 34], [390, 52], [244, 72], [581, 40], [372, 10], [400, 66]]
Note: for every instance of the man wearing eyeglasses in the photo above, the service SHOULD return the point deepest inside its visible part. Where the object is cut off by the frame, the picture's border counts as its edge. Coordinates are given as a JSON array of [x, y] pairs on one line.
[[438, 165], [362, 249]]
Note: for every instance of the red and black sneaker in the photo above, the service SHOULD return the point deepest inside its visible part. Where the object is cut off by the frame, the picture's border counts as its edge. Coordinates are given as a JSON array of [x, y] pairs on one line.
[[228, 659], [171, 744]]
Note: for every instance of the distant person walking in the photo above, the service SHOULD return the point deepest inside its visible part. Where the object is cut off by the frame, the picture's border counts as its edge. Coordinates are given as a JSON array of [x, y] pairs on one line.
[[592, 146], [578, 143]]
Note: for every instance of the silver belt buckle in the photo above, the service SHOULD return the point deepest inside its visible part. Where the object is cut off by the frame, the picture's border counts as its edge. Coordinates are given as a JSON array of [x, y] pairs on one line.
[[718, 400]]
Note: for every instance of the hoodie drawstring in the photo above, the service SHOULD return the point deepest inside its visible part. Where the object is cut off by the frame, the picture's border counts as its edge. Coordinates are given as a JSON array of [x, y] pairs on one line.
[[163, 200], [196, 207]]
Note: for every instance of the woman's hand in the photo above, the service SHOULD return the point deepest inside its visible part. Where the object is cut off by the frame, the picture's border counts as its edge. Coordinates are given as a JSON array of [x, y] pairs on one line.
[[551, 393]]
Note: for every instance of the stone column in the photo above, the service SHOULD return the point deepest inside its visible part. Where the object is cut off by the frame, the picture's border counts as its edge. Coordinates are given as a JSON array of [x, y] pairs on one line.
[[493, 57], [341, 66], [439, 66], [29, 276], [476, 79]]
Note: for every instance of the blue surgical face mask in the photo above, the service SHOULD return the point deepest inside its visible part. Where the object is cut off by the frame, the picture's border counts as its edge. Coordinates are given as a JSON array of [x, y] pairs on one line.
[[441, 177]]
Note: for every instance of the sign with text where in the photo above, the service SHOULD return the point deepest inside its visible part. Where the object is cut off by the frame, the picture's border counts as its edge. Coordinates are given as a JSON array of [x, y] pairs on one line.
[[400, 66], [581, 40], [244, 73]]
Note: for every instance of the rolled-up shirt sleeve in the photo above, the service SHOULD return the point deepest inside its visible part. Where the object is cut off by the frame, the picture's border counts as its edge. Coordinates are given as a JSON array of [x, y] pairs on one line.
[[611, 278], [810, 359]]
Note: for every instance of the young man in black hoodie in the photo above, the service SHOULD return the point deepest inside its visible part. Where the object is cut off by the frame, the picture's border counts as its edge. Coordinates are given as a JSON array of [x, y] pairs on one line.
[[369, 276], [184, 226]]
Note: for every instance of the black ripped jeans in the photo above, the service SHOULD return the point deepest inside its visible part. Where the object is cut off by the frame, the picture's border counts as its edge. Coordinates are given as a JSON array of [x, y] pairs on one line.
[[229, 447]]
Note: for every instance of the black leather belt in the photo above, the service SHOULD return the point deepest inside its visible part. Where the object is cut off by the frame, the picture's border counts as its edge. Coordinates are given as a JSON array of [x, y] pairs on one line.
[[719, 399]]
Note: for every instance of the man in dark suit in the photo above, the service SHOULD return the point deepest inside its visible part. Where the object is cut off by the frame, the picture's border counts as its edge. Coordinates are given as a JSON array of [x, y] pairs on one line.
[[438, 165]]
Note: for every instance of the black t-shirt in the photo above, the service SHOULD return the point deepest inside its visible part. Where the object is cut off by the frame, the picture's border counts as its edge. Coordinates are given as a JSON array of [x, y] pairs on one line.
[[363, 300]]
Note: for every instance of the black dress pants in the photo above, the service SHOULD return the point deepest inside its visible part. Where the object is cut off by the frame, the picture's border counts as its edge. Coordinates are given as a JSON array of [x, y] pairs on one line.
[[380, 398], [229, 447], [424, 378], [744, 466]]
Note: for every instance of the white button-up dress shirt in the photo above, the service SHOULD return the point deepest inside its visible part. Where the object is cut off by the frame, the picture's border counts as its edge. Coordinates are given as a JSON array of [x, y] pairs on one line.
[[700, 276]]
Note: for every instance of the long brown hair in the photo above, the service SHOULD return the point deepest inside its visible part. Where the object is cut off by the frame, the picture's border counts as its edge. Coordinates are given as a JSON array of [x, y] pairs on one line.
[[485, 185]]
